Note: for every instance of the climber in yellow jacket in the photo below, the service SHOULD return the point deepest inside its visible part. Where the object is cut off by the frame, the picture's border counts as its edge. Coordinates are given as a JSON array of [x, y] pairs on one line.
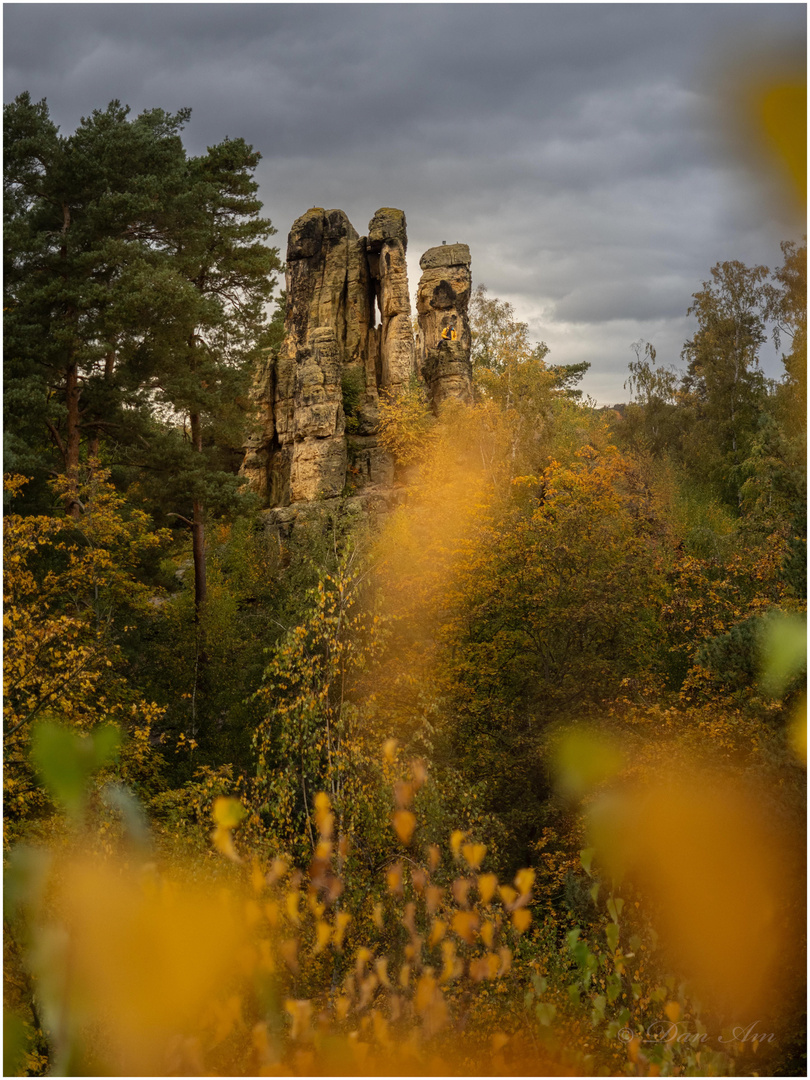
[[449, 333]]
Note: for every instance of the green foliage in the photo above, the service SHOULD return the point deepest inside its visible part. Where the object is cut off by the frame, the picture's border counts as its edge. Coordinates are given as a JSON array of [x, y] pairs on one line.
[[498, 339], [65, 760], [353, 387], [310, 739]]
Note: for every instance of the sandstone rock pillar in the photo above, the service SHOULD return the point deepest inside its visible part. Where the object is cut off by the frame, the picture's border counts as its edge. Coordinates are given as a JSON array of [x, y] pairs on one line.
[[386, 245], [318, 461], [300, 447], [442, 301]]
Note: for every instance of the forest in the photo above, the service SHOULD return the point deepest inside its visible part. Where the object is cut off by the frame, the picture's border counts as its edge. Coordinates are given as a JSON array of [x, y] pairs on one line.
[[509, 780]]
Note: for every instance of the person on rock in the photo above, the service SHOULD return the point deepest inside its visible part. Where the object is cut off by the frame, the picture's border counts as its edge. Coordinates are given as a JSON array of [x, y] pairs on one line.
[[449, 333]]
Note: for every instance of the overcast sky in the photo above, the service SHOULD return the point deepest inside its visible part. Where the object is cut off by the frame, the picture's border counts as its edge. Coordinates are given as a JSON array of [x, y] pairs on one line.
[[574, 147]]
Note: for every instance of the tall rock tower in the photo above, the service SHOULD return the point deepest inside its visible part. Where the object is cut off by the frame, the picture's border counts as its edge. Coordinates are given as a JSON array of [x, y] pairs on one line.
[[442, 300], [348, 337]]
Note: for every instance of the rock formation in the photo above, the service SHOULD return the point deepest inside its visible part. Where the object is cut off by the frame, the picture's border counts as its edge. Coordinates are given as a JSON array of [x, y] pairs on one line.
[[441, 306], [317, 402], [386, 245]]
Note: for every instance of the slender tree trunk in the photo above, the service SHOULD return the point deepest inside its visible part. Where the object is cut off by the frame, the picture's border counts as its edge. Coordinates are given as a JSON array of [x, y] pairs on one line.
[[95, 442], [72, 440], [72, 394], [198, 528]]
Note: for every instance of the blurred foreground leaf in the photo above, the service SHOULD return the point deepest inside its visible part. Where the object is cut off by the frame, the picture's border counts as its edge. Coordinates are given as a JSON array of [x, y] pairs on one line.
[[15, 1041], [583, 760], [66, 760], [783, 652]]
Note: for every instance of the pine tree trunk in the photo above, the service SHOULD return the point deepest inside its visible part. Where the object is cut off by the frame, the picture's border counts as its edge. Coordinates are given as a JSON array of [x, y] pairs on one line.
[[72, 440], [95, 441], [198, 529], [72, 392]]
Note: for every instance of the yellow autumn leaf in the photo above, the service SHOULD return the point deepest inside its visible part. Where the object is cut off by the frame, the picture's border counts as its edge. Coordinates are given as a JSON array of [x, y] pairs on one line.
[[404, 823], [342, 920], [403, 794], [449, 957], [291, 907], [488, 934], [393, 877], [524, 879], [437, 931], [301, 1012], [316, 906], [377, 916], [418, 880], [223, 842], [460, 887], [390, 750], [521, 919], [508, 894], [418, 773], [474, 854], [456, 840], [487, 884], [425, 991], [323, 935], [464, 924], [362, 957], [673, 1011]]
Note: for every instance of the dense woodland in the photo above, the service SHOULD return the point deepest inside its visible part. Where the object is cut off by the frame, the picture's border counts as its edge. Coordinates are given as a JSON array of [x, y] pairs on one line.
[[509, 780]]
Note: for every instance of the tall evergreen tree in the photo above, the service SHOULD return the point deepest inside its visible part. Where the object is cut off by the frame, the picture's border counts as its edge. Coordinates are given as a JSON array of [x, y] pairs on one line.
[[136, 287], [80, 224], [194, 363]]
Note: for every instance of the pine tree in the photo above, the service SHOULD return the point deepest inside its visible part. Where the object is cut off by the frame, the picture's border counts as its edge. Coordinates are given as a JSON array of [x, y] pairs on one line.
[[136, 287], [194, 364], [80, 221]]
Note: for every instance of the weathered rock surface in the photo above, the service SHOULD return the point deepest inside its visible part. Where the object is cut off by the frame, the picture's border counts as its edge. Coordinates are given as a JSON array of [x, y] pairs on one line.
[[447, 372], [442, 301], [386, 245], [299, 453], [256, 465], [317, 423], [317, 402]]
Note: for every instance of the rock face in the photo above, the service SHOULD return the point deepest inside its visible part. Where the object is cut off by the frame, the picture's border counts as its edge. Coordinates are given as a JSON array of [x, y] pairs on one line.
[[317, 402], [442, 300], [387, 243]]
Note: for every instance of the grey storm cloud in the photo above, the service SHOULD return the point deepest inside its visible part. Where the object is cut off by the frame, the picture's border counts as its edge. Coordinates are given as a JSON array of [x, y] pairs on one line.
[[571, 145]]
